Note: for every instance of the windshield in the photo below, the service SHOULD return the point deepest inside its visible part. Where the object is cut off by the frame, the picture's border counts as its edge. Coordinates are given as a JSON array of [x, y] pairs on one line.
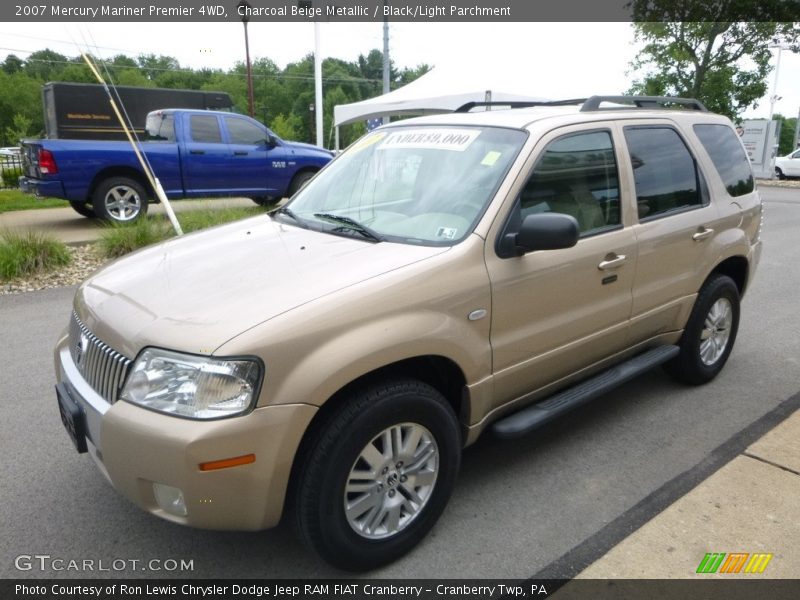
[[416, 185]]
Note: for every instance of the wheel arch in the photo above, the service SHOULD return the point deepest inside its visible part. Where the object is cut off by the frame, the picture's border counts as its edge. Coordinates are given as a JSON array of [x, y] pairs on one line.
[[440, 372], [735, 267], [121, 171]]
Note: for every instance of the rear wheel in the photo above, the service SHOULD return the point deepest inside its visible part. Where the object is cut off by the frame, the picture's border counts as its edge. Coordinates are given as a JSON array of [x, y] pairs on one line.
[[710, 332], [120, 199], [378, 474], [264, 200], [83, 208]]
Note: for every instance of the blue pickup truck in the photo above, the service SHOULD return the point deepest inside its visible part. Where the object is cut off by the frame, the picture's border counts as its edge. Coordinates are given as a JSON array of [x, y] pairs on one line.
[[193, 153]]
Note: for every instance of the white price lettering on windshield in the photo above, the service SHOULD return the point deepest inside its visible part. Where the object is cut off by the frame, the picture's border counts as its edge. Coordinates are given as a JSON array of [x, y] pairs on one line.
[[439, 139]]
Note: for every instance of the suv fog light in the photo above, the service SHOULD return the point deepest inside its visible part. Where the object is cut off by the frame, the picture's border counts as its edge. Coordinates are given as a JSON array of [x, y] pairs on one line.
[[170, 499]]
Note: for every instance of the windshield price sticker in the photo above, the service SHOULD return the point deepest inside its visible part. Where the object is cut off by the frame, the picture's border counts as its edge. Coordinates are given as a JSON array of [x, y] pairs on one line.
[[438, 139]]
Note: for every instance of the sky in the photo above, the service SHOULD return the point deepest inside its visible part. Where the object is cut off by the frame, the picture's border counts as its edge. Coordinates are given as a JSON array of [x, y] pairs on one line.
[[554, 60]]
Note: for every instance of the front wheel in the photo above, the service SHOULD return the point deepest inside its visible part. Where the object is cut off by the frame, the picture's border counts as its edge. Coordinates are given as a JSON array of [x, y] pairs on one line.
[[378, 475], [120, 200], [710, 332], [299, 181], [779, 173]]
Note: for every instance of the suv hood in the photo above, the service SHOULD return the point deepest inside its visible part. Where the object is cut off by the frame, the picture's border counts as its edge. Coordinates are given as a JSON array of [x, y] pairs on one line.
[[195, 293]]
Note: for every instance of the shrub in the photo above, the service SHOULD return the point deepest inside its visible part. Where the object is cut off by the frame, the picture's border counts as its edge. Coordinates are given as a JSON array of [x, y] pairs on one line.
[[24, 254], [118, 240], [11, 176]]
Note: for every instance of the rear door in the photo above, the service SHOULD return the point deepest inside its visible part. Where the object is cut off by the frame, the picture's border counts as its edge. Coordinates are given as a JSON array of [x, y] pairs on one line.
[[205, 156], [676, 225]]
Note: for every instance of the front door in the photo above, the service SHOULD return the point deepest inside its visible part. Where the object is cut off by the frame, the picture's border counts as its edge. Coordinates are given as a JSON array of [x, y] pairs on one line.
[[555, 312]]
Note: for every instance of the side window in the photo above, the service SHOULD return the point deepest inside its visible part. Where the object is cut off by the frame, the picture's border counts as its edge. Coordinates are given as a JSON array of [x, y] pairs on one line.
[[728, 156], [160, 128], [796, 154], [576, 175], [664, 171], [205, 129], [244, 132]]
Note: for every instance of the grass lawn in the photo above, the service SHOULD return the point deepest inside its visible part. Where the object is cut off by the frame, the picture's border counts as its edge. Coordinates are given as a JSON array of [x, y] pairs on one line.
[[15, 200]]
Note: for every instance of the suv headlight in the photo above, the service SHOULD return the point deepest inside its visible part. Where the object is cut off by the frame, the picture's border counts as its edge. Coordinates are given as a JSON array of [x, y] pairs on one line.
[[199, 387]]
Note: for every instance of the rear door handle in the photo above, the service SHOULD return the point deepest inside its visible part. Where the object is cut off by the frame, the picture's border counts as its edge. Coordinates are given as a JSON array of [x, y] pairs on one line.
[[197, 151], [702, 233], [240, 153], [612, 261]]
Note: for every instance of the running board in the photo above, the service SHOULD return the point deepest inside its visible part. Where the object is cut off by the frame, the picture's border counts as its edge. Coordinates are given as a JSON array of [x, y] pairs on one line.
[[536, 415]]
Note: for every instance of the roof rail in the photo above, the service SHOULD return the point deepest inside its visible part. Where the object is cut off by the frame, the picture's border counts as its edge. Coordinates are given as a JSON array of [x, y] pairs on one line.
[[657, 102], [519, 104]]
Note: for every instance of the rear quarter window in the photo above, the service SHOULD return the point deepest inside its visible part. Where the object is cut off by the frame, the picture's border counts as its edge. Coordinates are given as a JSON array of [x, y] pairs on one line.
[[728, 156]]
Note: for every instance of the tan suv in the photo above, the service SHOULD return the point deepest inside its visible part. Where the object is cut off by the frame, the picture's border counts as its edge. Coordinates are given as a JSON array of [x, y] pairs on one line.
[[442, 276]]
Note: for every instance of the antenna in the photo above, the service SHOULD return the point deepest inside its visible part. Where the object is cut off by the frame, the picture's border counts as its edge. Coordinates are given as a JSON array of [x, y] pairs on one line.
[[134, 141]]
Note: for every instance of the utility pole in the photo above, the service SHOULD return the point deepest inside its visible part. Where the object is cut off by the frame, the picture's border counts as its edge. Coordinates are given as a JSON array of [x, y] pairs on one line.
[[245, 9]]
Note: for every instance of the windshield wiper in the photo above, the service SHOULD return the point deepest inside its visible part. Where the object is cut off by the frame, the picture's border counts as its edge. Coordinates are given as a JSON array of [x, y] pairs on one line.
[[351, 224], [283, 210]]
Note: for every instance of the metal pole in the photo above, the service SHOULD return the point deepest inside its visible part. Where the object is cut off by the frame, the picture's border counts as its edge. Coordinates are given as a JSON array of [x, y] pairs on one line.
[[250, 102], [774, 97], [386, 61], [318, 84]]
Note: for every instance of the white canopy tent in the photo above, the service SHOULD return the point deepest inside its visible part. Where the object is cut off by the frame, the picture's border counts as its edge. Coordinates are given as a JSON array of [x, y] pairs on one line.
[[437, 91]]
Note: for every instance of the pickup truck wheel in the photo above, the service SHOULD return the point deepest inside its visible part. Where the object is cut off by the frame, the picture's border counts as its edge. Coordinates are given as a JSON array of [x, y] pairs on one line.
[[264, 200], [120, 199], [299, 181], [378, 475], [710, 332], [83, 208]]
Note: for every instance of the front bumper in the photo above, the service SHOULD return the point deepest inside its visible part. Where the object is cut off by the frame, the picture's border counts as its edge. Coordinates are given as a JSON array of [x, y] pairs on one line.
[[135, 448]]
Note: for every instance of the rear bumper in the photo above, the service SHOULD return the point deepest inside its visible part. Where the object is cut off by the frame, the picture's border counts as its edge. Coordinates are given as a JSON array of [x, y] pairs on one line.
[[41, 187]]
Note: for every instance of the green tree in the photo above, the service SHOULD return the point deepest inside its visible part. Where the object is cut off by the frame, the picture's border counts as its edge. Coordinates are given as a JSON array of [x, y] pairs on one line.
[[786, 139], [21, 127], [12, 64], [723, 64], [45, 65]]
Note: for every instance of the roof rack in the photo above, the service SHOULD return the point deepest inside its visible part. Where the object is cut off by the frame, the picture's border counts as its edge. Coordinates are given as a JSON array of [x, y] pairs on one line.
[[650, 102], [519, 104]]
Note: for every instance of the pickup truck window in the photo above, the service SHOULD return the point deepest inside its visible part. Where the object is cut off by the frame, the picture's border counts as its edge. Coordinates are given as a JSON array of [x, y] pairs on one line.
[[205, 128], [244, 132], [160, 128]]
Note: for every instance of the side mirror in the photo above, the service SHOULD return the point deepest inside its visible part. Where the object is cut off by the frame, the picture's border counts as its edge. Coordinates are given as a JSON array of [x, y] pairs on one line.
[[543, 231], [271, 141]]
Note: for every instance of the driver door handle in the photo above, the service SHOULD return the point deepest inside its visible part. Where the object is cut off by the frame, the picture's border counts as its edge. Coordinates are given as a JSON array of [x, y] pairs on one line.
[[612, 261]]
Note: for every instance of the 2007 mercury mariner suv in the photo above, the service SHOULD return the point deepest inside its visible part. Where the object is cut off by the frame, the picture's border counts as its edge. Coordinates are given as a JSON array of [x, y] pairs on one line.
[[443, 276]]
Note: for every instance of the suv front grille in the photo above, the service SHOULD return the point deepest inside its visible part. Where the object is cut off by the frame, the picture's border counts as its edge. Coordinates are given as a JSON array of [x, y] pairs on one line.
[[101, 366]]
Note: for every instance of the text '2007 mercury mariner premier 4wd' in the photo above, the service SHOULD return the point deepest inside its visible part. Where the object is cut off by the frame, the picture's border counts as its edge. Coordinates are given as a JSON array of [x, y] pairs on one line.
[[444, 275]]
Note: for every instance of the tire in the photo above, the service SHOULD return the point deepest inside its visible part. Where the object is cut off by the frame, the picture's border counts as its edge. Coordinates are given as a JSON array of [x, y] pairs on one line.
[[83, 208], [710, 332], [264, 200], [120, 200], [302, 178], [779, 173], [393, 502]]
